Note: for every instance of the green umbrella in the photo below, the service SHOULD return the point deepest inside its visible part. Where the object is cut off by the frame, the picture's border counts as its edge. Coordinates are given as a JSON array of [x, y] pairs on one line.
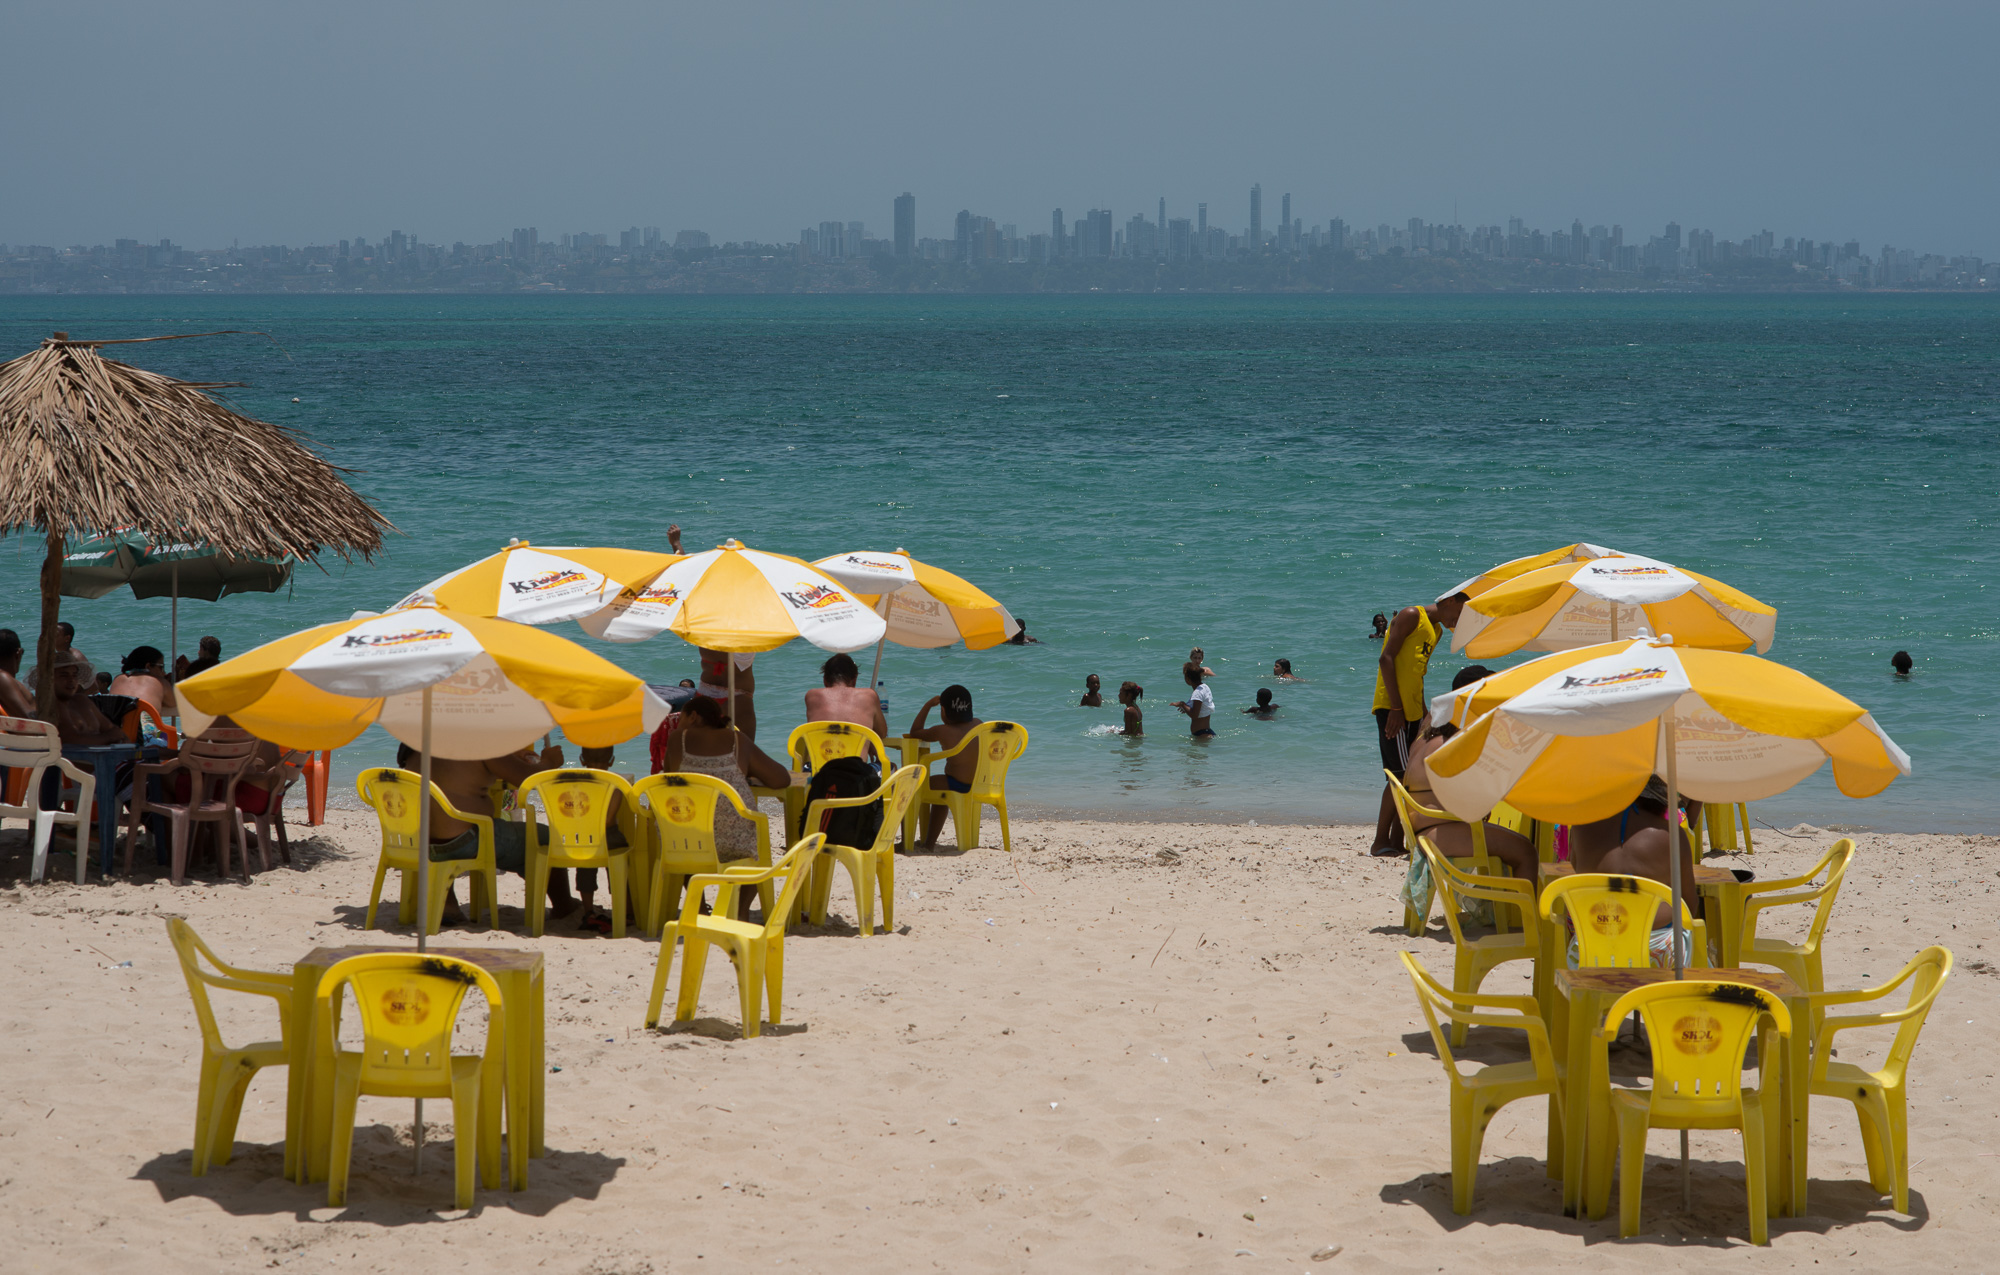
[[166, 569]]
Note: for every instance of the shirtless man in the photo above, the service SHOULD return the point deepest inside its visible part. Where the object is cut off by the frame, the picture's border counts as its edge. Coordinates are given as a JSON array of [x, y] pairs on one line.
[[464, 784], [840, 700], [76, 719], [955, 704], [16, 700], [145, 677], [1634, 842]]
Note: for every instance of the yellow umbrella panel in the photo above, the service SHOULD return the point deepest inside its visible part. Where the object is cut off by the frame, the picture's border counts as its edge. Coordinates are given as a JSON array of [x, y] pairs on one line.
[[1496, 576], [927, 606], [1558, 608], [544, 585]]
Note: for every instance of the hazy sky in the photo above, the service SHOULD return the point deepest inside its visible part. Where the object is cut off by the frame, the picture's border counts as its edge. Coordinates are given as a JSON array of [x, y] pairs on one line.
[[208, 121]]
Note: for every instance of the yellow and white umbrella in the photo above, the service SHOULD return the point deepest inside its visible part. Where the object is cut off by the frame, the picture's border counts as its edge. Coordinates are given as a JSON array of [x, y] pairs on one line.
[[1580, 552], [1574, 737], [546, 584], [1574, 604], [743, 600], [448, 684], [924, 606]]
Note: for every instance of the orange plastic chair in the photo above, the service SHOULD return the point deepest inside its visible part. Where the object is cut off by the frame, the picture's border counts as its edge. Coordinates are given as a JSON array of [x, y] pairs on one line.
[[1700, 1033], [409, 1007], [214, 762], [997, 745], [226, 1073], [1477, 1098], [757, 951], [1879, 1096]]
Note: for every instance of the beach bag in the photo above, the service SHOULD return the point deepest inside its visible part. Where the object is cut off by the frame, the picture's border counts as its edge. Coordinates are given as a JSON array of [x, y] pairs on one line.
[[855, 826]]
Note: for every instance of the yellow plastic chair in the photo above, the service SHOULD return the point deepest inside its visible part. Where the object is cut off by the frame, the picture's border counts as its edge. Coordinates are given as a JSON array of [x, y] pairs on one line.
[[392, 795], [1477, 1098], [1407, 809], [1800, 960], [1700, 1033], [817, 743], [409, 1007], [1612, 918], [998, 745], [870, 870], [757, 951], [226, 1073], [577, 804], [682, 809], [1476, 958], [1878, 1096], [1537, 832]]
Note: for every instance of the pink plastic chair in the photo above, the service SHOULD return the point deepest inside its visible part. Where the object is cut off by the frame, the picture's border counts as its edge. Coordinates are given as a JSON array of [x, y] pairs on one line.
[[214, 763]]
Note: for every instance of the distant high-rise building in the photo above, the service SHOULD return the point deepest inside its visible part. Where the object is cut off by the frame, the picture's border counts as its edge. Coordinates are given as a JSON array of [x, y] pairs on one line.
[[1057, 234], [1336, 234], [1579, 247], [525, 244], [852, 239], [1256, 217], [697, 240], [1100, 236], [832, 240], [963, 234], [906, 226], [1180, 244], [1162, 228], [1285, 222], [1201, 221]]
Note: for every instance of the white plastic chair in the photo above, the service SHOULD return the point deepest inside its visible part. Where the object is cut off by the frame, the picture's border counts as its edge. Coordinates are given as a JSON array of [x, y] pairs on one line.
[[34, 746]]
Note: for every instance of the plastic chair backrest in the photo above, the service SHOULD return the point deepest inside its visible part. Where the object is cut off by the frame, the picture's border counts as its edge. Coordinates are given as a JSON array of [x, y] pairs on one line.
[[1408, 809], [1464, 885], [1612, 916], [683, 807], [392, 795], [897, 792], [1442, 1005], [997, 745], [26, 743], [409, 1005], [1834, 863], [796, 868], [576, 803], [821, 742], [1928, 971], [1700, 1032], [189, 947]]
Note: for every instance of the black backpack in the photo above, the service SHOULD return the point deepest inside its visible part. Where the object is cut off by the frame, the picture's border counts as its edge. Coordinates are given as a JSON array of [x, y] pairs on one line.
[[856, 826]]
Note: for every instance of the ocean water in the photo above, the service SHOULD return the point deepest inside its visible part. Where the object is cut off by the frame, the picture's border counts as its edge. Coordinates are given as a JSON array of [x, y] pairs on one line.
[[1138, 475]]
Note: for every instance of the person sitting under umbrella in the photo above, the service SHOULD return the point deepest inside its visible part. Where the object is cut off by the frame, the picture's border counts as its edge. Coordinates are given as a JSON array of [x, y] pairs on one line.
[[1634, 842], [840, 700], [1452, 838], [143, 675], [211, 655], [16, 700], [465, 784]]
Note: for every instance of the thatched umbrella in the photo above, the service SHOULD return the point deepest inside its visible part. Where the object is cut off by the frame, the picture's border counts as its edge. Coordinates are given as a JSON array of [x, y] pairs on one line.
[[88, 445]]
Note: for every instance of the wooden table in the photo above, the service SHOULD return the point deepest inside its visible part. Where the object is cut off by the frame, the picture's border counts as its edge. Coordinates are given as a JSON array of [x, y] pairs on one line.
[[1586, 995], [309, 1080]]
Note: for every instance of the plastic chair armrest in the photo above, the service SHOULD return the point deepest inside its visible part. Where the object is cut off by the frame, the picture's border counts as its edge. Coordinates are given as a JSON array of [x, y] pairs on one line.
[[1497, 1000], [482, 822], [74, 771], [1831, 1025], [940, 755], [1752, 906]]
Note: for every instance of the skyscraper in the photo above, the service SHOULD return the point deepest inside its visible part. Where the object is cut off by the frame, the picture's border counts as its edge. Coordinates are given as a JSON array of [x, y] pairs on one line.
[[906, 226], [1162, 228], [1256, 217], [1285, 222], [1058, 235], [1201, 220]]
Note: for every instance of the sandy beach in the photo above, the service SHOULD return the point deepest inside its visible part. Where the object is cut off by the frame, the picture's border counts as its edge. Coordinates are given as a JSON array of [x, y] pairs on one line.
[[1138, 1047]]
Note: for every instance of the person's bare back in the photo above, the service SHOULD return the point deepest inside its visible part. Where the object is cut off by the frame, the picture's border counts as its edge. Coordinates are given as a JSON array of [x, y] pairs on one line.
[[847, 704]]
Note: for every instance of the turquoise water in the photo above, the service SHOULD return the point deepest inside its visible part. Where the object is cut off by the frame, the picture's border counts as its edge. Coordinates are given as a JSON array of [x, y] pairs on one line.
[[1137, 475]]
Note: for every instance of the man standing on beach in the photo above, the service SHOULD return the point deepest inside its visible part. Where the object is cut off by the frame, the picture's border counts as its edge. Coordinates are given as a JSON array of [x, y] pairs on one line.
[[1399, 700]]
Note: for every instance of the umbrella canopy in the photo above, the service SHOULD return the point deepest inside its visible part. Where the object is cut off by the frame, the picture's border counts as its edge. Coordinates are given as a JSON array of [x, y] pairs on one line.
[[545, 585], [1573, 738], [88, 444], [743, 600], [499, 686], [1573, 604], [926, 606], [1506, 571], [166, 568]]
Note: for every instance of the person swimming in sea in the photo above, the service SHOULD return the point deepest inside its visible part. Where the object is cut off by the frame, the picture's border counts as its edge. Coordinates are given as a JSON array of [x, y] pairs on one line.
[[1263, 708], [1902, 663], [1093, 693], [1135, 721], [1381, 629], [1282, 670]]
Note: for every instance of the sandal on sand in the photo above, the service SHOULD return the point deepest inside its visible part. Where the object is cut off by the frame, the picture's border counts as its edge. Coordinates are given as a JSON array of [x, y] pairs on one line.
[[1388, 852], [596, 920]]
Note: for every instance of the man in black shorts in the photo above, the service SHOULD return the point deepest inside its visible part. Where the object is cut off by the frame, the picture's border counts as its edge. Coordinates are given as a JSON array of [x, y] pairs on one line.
[[1399, 699]]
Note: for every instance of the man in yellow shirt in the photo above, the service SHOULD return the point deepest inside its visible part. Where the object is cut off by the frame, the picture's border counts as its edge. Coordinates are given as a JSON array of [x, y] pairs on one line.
[[1399, 699]]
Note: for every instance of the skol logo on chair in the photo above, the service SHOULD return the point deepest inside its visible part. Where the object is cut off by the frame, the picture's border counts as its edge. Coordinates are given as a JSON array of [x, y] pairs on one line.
[[680, 810], [573, 804], [393, 804], [1697, 1034], [996, 750], [1610, 918], [406, 1005]]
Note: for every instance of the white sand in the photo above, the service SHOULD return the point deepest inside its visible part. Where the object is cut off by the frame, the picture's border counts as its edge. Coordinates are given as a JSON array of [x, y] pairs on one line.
[[1113, 1063]]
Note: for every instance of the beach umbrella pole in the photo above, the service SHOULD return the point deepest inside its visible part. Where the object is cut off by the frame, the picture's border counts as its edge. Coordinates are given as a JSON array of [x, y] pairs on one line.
[[1673, 823], [423, 874], [174, 630]]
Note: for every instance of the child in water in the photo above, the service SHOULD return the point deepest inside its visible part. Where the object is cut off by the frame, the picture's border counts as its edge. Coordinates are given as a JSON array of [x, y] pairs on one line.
[[1093, 693], [1129, 695], [1263, 708]]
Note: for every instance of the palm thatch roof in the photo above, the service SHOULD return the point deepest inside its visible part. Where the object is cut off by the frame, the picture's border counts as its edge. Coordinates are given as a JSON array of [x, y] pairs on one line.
[[88, 445]]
